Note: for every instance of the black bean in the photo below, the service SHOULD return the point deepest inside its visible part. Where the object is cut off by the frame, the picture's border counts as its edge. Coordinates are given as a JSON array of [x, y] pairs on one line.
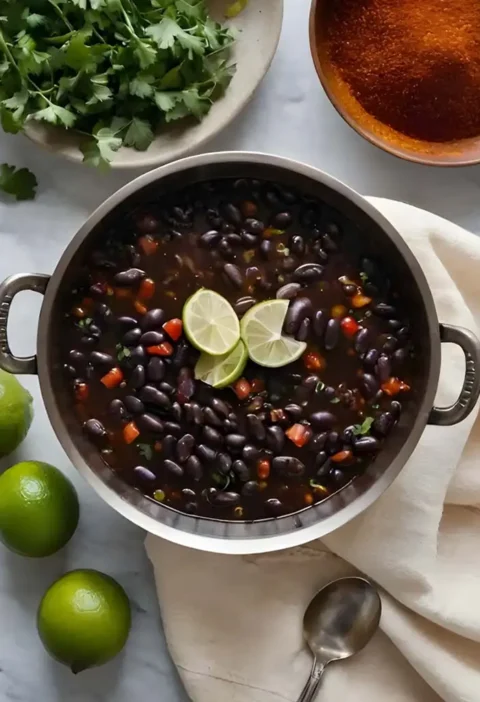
[[213, 218], [185, 447], [147, 224], [173, 468], [250, 454], [323, 420], [235, 442], [333, 443], [138, 355], [173, 428], [94, 428], [289, 291], [349, 289], [320, 323], [144, 474], [198, 418], [188, 493], [320, 254], [98, 358], [211, 418], [304, 329], [255, 427], [294, 410], [371, 358], [266, 248], [250, 488], [129, 277], [308, 273], [395, 409], [231, 213], [210, 238], [233, 274], [298, 310], [317, 443], [243, 304], [167, 388], [182, 352], [127, 322], [367, 444], [150, 422], [348, 434], [288, 466], [383, 369], [117, 408], [329, 244], [212, 437], [169, 444], [399, 357], [390, 344], [220, 407], [254, 226], [274, 506], [69, 370], [176, 412], [361, 341], [394, 324], [77, 358], [382, 424], [151, 395], [133, 404], [369, 385], [275, 438], [152, 319], [234, 239], [191, 507], [94, 331], [137, 379], [193, 468], [156, 369], [226, 250], [337, 475], [329, 392], [223, 463], [320, 461], [152, 338], [381, 309], [241, 470], [224, 499], [297, 245], [205, 453], [132, 337], [282, 220], [332, 334], [248, 240]]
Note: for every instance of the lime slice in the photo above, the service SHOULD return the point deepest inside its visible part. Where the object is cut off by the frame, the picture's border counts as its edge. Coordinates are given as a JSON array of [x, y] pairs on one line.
[[210, 323], [220, 371], [261, 329]]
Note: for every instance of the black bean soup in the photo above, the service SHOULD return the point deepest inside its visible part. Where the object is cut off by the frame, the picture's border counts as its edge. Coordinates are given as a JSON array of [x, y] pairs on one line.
[[277, 440]]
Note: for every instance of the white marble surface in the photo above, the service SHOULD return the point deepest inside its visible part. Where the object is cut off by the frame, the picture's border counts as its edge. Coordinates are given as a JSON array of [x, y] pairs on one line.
[[291, 116]]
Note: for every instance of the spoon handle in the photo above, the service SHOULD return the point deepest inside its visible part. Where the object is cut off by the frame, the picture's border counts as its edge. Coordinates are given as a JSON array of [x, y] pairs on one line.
[[313, 683]]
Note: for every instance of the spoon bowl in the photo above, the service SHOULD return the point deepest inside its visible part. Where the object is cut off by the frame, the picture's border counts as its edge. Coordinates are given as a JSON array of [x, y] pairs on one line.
[[339, 621]]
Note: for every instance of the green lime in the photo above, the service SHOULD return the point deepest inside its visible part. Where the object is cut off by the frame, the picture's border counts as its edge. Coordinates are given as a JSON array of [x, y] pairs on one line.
[[84, 619], [262, 333], [210, 323], [16, 413], [38, 509], [220, 371]]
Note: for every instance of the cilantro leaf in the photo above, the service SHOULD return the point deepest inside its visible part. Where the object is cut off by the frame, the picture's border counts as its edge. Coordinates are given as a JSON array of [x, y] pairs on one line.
[[167, 31], [364, 428], [139, 134], [20, 183], [100, 150], [55, 115], [145, 450], [141, 85], [193, 9], [166, 101]]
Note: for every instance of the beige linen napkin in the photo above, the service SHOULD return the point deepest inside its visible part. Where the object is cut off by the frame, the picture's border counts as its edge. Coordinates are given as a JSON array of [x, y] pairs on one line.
[[233, 623]]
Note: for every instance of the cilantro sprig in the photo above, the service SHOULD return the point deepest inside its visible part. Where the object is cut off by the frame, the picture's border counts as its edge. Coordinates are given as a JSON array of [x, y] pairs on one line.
[[19, 182], [114, 70]]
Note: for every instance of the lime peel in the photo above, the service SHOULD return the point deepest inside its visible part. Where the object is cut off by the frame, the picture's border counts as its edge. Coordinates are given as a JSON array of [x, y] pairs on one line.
[[220, 371]]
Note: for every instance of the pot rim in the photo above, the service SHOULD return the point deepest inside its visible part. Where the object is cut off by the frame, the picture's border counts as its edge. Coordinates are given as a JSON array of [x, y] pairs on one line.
[[252, 544]]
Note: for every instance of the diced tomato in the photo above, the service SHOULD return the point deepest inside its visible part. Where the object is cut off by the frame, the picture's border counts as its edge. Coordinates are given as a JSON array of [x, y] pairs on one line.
[[308, 498], [393, 386], [263, 469], [277, 415], [242, 389], [248, 208], [140, 307], [130, 432], [148, 245], [257, 385], [174, 328], [360, 300], [349, 326], [157, 446], [122, 293], [342, 456], [81, 392], [338, 311], [164, 349], [299, 434], [79, 312], [313, 361], [147, 289], [113, 378]]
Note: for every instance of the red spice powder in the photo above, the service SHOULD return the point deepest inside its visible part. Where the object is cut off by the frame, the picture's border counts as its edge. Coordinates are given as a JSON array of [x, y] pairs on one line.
[[412, 64]]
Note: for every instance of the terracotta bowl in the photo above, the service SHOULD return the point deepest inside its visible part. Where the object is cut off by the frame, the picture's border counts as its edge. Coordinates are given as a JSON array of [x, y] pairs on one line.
[[465, 152]]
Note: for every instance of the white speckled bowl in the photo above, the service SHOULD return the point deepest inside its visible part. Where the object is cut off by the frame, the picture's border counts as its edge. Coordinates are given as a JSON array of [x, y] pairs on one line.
[[258, 27]]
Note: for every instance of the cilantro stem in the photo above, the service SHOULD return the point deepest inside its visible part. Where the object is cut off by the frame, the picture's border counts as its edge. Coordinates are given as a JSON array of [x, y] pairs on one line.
[[61, 15]]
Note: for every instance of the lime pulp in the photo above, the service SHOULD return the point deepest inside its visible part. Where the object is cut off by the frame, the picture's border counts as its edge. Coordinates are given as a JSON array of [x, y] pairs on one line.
[[220, 371], [210, 323]]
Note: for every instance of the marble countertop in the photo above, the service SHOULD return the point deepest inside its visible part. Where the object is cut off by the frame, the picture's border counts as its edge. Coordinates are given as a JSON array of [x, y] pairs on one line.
[[291, 116]]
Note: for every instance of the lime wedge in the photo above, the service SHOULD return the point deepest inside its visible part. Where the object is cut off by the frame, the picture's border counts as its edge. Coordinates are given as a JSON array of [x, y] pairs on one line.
[[220, 371], [210, 323], [261, 329]]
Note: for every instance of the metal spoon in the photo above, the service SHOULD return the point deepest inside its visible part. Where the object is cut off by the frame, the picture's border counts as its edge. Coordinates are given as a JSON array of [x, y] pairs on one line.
[[339, 621]]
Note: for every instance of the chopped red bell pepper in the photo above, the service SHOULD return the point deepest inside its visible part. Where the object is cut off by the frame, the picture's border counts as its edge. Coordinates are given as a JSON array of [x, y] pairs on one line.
[[174, 328]]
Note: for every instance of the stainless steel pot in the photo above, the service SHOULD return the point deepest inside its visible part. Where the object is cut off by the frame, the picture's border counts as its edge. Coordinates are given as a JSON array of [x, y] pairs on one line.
[[378, 236]]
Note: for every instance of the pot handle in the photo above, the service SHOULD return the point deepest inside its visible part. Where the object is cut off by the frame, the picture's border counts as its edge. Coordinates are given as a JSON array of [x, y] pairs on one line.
[[470, 345], [8, 289]]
